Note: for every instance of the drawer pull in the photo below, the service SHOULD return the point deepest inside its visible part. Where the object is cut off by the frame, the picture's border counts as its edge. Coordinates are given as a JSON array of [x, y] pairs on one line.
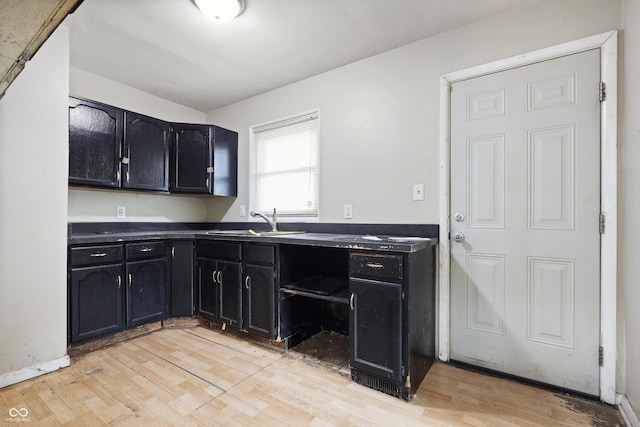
[[145, 249], [375, 265], [99, 254]]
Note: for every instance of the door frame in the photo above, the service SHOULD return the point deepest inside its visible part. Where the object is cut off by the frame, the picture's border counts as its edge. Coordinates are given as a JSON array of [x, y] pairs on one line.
[[608, 45]]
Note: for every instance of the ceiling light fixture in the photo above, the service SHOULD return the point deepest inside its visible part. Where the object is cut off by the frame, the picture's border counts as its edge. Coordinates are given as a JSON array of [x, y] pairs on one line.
[[220, 10]]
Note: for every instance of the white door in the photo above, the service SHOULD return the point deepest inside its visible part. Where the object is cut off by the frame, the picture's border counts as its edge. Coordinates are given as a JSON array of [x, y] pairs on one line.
[[525, 194]]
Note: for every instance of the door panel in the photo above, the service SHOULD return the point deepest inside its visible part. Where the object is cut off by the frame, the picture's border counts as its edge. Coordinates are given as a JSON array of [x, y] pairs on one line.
[[525, 179]]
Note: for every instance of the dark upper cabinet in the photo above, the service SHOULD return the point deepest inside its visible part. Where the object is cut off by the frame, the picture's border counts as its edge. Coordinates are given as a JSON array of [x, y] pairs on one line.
[[192, 159], [145, 153], [95, 136], [225, 162], [114, 148]]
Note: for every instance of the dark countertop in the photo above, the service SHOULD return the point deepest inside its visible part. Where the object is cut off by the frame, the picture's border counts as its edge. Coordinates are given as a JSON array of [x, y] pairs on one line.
[[347, 241]]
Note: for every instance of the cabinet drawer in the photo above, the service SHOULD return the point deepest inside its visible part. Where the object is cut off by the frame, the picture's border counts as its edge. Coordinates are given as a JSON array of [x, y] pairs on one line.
[[231, 251], [93, 255], [377, 266], [146, 250], [259, 254]]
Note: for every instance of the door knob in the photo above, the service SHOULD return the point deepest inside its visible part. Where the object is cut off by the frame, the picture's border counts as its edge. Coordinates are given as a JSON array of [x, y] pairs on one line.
[[458, 237], [459, 216]]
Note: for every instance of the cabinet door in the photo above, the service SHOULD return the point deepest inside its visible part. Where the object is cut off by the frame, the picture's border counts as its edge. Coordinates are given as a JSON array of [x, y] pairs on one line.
[[182, 290], [207, 289], [146, 291], [225, 162], [375, 327], [259, 294], [230, 285], [192, 159], [96, 301], [95, 138], [145, 157]]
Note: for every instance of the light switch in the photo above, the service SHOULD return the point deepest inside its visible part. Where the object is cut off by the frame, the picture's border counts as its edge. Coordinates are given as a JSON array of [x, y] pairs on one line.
[[418, 191], [348, 211]]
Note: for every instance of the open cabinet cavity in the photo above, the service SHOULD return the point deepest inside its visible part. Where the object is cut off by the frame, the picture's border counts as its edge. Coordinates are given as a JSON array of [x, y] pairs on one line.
[[314, 303]]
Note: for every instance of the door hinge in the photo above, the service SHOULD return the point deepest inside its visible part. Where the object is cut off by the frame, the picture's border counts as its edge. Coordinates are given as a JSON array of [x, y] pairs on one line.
[[600, 355], [603, 91], [602, 219]]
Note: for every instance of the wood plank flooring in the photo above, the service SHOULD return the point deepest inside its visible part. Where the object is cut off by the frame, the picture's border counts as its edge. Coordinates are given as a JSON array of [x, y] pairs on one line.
[[193, 376]]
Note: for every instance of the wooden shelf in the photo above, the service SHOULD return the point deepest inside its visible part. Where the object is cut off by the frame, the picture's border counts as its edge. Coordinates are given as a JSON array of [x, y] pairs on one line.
[[327, 288]]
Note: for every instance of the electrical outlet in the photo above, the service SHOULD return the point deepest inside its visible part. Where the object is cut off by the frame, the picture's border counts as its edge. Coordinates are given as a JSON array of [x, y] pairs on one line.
[[121, 212], [418, 191], [348, 211], [243, 210]]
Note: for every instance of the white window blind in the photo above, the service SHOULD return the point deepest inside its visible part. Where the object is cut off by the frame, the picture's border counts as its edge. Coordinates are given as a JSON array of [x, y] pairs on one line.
[[286, 166]]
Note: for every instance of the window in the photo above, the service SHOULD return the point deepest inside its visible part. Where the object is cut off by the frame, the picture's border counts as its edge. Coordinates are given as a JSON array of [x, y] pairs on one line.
[[285, 166]]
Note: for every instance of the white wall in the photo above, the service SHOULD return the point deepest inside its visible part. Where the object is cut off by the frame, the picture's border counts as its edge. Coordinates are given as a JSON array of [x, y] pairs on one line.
[[629, 202], [100, 206], [33, 215], [379, 117]]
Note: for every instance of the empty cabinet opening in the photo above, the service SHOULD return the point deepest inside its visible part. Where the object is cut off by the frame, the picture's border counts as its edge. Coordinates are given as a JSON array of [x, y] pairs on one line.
[[314, 303]]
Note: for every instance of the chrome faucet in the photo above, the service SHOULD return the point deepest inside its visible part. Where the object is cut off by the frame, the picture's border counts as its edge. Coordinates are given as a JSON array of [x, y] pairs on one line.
[[273, 222]]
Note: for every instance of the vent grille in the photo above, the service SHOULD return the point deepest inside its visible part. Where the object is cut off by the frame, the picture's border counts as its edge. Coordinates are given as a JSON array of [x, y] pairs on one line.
[[388, 387]]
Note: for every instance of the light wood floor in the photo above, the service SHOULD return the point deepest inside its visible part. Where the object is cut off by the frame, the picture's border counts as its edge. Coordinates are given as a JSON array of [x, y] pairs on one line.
[[193, 376]]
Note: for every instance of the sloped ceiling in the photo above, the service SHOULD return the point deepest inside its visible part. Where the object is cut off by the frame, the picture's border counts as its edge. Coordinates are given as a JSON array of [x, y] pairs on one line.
[[24, 27], [169, 49]]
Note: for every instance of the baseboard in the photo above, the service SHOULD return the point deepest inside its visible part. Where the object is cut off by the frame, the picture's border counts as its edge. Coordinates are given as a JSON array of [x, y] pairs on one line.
[[627, 412], [24, 374]]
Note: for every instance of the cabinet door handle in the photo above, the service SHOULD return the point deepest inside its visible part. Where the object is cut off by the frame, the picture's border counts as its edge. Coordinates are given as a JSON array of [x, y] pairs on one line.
[[375, 265], [247, 281], [126, 176], [117, 176], [351, 298], [130, 279], [146, 249], [173, 251], [213, 276], [99, 254], [206, 183], [220, 277], [119, 281]]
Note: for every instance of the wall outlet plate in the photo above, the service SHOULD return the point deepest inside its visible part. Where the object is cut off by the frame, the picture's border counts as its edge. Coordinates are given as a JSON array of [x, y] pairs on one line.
[[348, 211], [418, 191], [121, 212]]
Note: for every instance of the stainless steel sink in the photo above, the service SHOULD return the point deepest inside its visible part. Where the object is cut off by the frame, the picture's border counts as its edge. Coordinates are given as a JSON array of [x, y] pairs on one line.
[[381, 239], [250, 233]]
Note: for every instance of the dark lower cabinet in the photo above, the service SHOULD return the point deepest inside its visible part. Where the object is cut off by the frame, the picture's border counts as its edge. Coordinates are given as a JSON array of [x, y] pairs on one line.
[[96, 301], [259, 300], [116, 286], [182, 278], [207, 289], [375, 328], [392, 321], [228, 276], [146, 291]]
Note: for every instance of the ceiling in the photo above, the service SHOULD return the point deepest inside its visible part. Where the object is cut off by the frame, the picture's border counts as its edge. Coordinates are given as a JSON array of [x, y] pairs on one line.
[[169, 49]]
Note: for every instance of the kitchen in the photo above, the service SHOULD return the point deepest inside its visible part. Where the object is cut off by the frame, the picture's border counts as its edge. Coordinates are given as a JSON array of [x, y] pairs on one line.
[[402, 84]]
